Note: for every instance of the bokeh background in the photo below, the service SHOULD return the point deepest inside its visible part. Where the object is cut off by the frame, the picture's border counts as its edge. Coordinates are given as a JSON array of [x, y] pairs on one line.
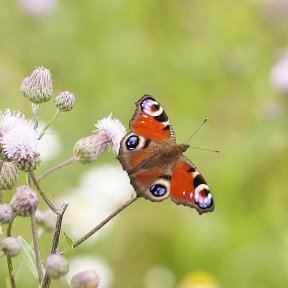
[[225, 60]]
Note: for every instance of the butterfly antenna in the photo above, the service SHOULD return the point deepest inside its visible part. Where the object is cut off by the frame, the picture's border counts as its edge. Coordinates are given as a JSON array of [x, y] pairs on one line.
[[204, 121], [204, 149]]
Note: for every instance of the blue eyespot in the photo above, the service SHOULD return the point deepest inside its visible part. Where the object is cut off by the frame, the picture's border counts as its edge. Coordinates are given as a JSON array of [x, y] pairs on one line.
[[132, 142], [158, 190]]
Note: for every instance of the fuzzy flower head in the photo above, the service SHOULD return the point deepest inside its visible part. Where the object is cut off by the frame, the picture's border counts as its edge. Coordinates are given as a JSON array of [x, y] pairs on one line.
[[37, 87], [18, 138], [111, 132]]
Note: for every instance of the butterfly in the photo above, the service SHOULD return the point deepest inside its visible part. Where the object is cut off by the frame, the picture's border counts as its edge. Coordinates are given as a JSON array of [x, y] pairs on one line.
[[155, 163]]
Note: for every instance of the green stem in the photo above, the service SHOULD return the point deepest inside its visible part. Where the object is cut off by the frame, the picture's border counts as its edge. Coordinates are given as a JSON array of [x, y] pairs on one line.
[[36, 247], [57, 167], [41, 192], [9, 260], [36, 110], [49, 123]]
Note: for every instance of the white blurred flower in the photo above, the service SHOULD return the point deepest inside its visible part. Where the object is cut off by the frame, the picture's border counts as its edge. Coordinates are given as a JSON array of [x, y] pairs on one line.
[[279, 73], [38, 7], [102, 190], [160, 277], [50, 144], [112, 132], [81, 263]]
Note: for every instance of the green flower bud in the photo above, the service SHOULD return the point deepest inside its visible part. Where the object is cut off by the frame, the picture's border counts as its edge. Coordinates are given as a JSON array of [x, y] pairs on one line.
[[56, 265], [10, 246], [65, 101], [7, 213], [8, 175], [85, 279], [37, 88], [25, 201]]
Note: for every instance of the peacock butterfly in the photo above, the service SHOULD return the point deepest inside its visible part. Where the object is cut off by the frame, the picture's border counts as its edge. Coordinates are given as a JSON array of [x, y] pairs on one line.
[[155, 163]]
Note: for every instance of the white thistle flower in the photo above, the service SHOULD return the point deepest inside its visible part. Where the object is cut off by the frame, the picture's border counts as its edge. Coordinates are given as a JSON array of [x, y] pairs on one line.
[[20, 140], [112, 131], [10, 119]]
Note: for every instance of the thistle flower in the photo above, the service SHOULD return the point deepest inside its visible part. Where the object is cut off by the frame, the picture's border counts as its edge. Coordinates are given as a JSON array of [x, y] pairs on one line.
[[111, 132], [8, 176], [7, 213], [65, 101], [56, 265], [37, 87], [85, 279], [20, 140], [10, 246], [108, 134], [25, 201]]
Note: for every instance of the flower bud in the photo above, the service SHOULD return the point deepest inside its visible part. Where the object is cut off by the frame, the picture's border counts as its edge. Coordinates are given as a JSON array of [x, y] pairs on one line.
[[28, 164], [56, 265], [25, 201], [37, 88], [7, 213], [89, 149], [8, 175], [65, 101], [85, 279], [46, 219], [10, 246]]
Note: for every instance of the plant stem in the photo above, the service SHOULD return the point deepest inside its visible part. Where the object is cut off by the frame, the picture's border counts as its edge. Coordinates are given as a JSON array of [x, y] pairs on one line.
[[36, 247], [47, 279], [57, 167], [36, 111], [43, 195], [1, 196], [105, 221], [9, 260], [49, 123]]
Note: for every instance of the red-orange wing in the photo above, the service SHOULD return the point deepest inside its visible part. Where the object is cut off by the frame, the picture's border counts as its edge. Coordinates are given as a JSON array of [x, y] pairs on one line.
[[151, 121], [189, 188]]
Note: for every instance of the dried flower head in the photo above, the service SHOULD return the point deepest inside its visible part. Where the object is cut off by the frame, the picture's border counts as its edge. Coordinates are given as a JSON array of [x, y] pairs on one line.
[[25, 201], [86, 279], [65, 101], [8, 175], [37, 88], [56, 265], [10, 246], [7, 213]]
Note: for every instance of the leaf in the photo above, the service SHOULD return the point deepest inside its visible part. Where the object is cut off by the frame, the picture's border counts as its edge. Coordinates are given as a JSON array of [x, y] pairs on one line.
[[28, 255], [69, 241]]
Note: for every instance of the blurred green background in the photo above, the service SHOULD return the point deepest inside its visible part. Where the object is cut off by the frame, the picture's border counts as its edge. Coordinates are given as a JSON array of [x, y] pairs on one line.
[[199, 59]]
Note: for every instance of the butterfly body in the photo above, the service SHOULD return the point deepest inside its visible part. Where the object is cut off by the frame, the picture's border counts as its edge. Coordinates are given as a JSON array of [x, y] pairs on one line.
[[155, 162]]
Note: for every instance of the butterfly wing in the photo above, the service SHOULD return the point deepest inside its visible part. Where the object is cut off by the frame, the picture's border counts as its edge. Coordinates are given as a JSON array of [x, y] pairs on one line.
[[151, 121], [189, 188]]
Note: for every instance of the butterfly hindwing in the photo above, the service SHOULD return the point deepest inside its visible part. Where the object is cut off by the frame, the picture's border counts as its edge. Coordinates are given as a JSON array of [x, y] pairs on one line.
[[189, 188]]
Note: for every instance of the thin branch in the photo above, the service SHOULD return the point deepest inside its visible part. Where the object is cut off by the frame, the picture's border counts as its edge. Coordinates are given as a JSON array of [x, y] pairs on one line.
[[49, 123], [57, 167], [105, 221], [1, 196], [43, 195], [47, 279], [36, 111], [9, 260], [36, 247]]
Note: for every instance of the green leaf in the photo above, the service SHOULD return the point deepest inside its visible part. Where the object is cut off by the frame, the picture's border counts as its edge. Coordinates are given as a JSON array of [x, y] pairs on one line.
[[69, 242], [28, 255]]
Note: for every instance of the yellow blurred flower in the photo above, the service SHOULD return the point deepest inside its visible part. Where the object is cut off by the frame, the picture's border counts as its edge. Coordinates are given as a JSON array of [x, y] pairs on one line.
[[199, 279]]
